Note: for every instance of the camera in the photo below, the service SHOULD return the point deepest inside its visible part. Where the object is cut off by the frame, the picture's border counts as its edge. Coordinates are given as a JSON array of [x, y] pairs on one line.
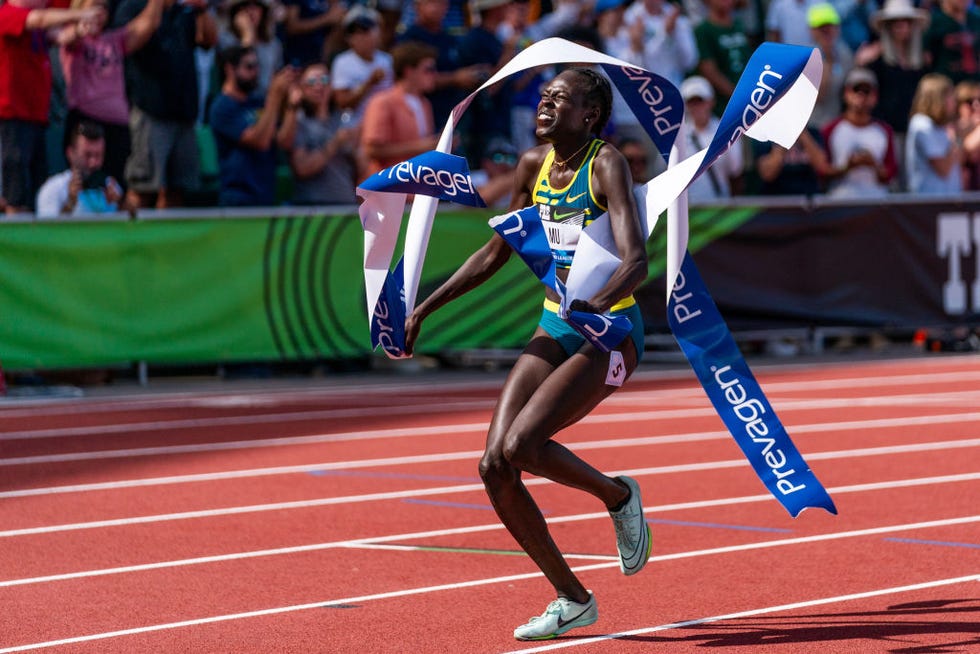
[[94, 180]]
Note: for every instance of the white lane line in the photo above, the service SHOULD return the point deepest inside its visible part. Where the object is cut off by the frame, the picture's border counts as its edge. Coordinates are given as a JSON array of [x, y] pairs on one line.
[[498, 580], [382, 541], [256, 419], [455, 531], [745, 614], [626, 395], [266, 396], [480, 427], [475, 454], [442, 490]]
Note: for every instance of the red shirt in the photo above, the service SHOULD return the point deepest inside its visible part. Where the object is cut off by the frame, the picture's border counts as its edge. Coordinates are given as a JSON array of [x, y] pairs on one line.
[[25, 71]]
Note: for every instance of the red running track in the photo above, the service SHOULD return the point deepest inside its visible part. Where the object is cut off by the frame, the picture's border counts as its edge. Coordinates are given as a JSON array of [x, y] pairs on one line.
[[348, 517]]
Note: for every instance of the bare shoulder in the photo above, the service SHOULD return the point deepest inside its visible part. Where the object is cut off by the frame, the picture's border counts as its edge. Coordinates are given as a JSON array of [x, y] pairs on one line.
[[529, 165], [611, 172], [534, 158], [609, 154]]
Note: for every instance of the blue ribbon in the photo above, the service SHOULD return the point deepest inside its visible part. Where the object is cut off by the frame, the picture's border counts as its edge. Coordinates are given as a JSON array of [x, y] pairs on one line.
[[388, 319], [708, 345], [436, 174], [695, 321], [523, 231]]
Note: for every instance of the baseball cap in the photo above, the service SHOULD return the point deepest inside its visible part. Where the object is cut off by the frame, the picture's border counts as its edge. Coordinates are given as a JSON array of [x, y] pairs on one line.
[[360, 17], [822, 14], [697, 87], [860, 76]]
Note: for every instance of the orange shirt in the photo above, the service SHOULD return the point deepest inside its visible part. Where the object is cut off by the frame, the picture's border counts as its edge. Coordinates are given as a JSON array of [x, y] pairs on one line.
[[389, 118]]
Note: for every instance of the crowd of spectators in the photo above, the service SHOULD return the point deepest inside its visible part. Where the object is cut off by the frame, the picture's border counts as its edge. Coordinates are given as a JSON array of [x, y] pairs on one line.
[[109, 105]]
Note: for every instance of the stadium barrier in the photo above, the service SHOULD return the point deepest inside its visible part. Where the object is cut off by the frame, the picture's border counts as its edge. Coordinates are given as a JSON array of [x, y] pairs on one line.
[[284, 284]]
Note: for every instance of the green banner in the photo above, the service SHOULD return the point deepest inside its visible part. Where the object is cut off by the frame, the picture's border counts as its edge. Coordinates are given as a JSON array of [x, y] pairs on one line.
[[213, 289]]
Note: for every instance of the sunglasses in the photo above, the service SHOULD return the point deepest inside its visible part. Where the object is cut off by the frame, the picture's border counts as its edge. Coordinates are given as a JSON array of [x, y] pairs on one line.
[[321, 80], [863, 89]]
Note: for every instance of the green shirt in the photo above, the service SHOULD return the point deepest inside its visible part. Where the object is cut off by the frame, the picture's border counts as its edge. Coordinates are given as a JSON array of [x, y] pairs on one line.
[[728, 47], [954, 46]]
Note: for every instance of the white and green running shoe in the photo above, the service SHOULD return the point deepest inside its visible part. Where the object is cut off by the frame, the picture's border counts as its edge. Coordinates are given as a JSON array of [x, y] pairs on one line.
[[560, 616], [632, 531]]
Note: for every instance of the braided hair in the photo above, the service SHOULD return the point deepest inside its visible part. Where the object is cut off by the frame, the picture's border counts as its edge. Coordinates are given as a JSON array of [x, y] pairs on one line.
[[597, 92]]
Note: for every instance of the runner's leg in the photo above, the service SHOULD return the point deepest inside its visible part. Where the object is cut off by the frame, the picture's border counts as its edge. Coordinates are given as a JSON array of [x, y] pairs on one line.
[[545, 392]]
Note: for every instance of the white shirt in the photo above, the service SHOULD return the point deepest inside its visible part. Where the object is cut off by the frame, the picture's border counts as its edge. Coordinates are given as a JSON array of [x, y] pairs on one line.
[[668, 55], [349, 71], [844, 140], [54, 194], [788, 17], [926, 140]]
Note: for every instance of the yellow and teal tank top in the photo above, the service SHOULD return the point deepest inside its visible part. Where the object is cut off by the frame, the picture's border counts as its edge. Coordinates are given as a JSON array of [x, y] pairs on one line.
[[566, 211]]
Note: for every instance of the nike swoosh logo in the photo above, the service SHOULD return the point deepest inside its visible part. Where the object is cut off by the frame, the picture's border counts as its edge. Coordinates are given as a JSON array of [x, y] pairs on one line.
[[561, 216], [573, 198], [562, 623]]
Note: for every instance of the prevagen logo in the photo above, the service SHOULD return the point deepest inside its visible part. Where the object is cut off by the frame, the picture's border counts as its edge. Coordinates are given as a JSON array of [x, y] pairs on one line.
[[451, 183], [650, 93], [760, 97], [436, 174]]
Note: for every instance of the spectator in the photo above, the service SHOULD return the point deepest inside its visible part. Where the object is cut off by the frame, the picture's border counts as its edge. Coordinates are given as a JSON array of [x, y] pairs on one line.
[[860, 147], [391, 15], [968, 132], [897, 62], [669, 47], [322, 160], [95, 81], [306, 28], [824, 24], [494, 180], [398, 122], [25, 94], [480, 46], [363, 70], [452, 80], [635, 153], [84, 188], [161, 84], [932, 155], [798, 170], [700, 126], [951, 41], [855, 21], [247, 128], [250, 23], [786, 22], [723, 47], [657, 36]]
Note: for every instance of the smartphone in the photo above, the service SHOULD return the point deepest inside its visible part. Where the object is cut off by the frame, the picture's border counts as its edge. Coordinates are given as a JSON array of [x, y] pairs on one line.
[[94, 180]]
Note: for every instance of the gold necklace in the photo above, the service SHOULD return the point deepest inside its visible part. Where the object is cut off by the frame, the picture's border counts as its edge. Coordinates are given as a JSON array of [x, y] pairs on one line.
[[563, 164]]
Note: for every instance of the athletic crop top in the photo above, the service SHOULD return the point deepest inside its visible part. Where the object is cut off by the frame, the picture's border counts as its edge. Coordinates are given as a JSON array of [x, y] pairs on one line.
[[566, 211]]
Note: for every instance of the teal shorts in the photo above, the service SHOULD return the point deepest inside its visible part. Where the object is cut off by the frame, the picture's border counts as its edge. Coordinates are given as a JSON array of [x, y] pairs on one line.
[[570, 340]]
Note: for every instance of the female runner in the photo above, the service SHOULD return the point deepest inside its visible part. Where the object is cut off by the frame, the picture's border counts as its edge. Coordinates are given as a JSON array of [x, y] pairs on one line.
[[573, 178]]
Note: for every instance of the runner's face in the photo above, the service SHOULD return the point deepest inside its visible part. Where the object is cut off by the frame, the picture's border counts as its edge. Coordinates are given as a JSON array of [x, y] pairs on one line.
[[561, 110]]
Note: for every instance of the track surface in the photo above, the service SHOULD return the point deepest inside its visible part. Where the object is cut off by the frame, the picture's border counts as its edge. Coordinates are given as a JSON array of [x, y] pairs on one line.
[[349, 518]]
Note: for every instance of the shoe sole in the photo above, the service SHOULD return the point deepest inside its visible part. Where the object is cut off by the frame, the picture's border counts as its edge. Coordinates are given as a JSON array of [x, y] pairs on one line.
[[643, 561], [628, 571], [575, 624]]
